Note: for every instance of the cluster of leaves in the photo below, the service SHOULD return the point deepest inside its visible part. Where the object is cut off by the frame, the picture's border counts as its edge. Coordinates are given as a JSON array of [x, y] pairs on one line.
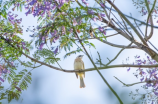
[[48, 55], [11, 47], [6, 4], [18, 83], [64, 24]]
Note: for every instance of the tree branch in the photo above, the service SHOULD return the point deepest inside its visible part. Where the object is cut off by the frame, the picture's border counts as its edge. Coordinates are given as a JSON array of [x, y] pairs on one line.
[[151, 20], [117, 55], [129, 23]]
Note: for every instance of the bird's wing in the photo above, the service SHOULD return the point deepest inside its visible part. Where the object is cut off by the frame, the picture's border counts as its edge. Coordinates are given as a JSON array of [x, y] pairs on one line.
[[83, 65], [83, 68]]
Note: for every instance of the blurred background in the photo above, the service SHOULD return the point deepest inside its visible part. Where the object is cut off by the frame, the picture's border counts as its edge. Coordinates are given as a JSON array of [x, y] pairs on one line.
[[50, 86]]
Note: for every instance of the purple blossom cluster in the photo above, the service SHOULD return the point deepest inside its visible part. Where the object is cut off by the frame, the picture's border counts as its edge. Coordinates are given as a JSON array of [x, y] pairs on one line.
[[37, 8], [84, 2], [12, 18], [144, 11], [149, 76], [102, 30], [99, 17], [102, 4], [3, 71], [54, 35]]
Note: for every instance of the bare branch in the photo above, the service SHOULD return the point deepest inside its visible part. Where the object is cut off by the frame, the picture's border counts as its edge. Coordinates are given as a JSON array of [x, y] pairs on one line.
[[117, 55], [147, 49], [144, 35], [142, 22], [127, 85], [151, 20], [129, 23]]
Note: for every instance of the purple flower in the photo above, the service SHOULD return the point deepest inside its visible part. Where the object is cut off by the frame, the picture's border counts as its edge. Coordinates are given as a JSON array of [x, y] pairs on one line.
[[156, 93], [144, 11], [23, 47], [32, 2], [43, 38], [71, 30], [52, 48], [100, 29], [63, 13], [17, 4], [91, 12], [19, 89], [27, 7], [128, 69], [94, 19], [56, 38], [152, 73], [41, 46], [61, 3], [54, 6], [102, 5], [56, 50], [54, 33], [104, 32], [1, 79], [19, 20], [142, 79], [28, 12], [102, 15], [43, 13], [85, 2], [12, 63], [8, 71], [23, 43], [11, 18], [4, 71], [137, 56]]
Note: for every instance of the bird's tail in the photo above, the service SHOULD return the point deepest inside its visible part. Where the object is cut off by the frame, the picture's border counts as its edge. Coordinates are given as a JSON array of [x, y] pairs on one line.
[[82, 85]]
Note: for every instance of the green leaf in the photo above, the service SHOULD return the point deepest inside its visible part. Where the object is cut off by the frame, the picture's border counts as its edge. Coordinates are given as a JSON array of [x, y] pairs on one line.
[[92, 45]]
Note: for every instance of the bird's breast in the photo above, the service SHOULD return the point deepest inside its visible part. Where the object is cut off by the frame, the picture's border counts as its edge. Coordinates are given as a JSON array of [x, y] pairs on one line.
[[78, 66]]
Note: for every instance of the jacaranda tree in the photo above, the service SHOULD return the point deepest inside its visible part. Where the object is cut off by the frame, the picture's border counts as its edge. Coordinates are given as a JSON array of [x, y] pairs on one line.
[[69, 27]]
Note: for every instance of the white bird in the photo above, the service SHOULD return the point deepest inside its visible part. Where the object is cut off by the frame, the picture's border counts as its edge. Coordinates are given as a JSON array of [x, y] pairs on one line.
[[79, 65]]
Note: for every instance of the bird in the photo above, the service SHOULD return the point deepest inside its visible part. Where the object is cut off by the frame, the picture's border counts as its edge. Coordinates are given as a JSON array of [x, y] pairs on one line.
[[79, 65]]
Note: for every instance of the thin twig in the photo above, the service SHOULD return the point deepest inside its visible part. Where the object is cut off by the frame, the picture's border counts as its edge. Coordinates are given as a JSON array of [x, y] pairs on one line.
[[128, 22], [127, 85], [151, 20], [111, 9], [144, 35], [117, 55]]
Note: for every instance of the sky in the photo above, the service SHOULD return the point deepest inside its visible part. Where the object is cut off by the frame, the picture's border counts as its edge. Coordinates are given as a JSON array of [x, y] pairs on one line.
[[50, 86]]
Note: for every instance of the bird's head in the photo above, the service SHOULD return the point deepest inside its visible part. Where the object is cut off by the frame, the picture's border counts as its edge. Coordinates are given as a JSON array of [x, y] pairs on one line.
[[80, 56]]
